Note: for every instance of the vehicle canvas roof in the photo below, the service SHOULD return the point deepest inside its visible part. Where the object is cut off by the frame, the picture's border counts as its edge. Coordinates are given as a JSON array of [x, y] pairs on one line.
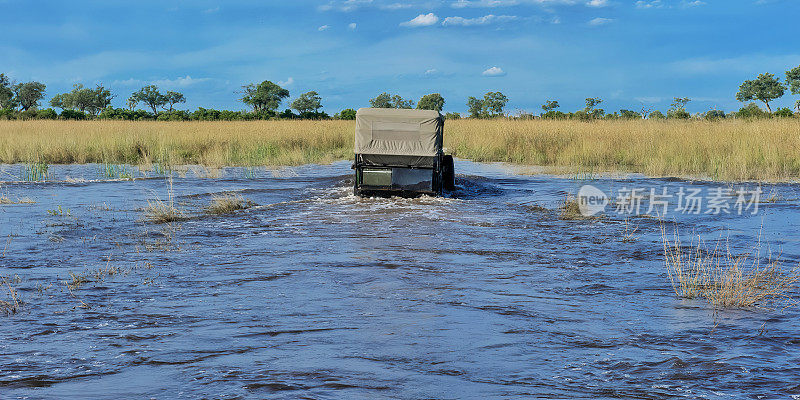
[[399, 132]]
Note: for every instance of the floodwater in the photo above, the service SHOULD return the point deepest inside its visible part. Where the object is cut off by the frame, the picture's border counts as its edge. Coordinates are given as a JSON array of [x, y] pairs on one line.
[[314, 293]]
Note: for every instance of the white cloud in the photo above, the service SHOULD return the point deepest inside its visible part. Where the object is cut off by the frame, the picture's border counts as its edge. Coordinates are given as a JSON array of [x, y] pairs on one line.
[[181, 82], [346, 6], [555, 21], [494, 71], [485, 20], [648, 99], [211, 10], [506, 3], [649, 4], [422, 20], [483, 3], [600, 21], [352, 26], [432, 72], [695, 3], [396, 6], [324, 28], [287, 82], [597, 3]]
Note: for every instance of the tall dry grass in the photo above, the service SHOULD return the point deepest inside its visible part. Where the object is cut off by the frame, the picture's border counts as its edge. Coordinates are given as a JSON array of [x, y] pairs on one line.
[[730, 150], [171, 143]]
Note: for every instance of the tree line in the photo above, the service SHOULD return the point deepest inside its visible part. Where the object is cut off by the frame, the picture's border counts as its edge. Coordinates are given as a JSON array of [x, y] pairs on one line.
[[23, 100]]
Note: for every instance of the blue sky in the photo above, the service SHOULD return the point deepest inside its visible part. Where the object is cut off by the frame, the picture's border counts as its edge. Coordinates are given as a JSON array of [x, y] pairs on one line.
[[629, 53]]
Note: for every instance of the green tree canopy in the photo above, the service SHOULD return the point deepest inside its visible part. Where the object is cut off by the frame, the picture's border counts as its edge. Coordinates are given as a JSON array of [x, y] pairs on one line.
[[793, 80], [550, 105], [494, 103], [591, 103], [172, 98], [307, 102], [491, 105], [433, 101], [266, 96], [347, 114], [27, 95], [385, 100], [765, 88], [149, 95], [83, 99], [476, 107], [6, 92]]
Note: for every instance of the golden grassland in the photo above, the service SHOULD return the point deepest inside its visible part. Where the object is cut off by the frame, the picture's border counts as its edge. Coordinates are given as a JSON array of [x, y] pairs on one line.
[[724, 150]]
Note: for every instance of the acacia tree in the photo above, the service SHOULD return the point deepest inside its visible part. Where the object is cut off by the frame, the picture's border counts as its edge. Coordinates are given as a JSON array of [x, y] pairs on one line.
[[550, 105], [433, 101], [793, 80], [172, 98], [27, 95], [266, 96], [307, 102], [149, 95], [678, 108], [765, 88]]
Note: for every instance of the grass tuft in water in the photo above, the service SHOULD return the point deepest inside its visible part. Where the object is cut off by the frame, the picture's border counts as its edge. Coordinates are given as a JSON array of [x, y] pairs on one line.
[[14, 304], [228, 203], [160, 212], [115, 171], [725, 279], [19, 200], [35, 172], [570, 209]]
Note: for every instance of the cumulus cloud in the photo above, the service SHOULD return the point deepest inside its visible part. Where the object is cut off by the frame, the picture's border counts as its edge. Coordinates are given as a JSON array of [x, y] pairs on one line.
[[494, 71], [352, 26], [485, 20], [287, 82], [600, 21], [422, 20], [324, 28], [597, 3]]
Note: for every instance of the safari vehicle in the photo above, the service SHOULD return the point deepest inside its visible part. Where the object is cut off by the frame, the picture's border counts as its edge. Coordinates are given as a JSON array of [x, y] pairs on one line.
[[398, 152]]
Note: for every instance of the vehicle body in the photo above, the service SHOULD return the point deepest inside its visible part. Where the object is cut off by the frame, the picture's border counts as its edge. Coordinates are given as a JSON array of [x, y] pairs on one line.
[[398, 152]]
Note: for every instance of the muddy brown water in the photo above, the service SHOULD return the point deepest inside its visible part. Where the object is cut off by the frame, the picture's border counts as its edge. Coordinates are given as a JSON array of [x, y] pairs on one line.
[[315, 293]]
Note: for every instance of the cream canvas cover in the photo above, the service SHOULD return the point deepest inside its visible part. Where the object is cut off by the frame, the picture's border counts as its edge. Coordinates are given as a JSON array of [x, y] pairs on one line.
[[391, 131]]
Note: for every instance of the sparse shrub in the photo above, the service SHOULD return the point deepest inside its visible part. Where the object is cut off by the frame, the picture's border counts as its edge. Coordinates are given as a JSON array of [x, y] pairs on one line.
[[555, 115], [784, 113], [72, 114], [657, 115], [452, 115], [629, 114], [714, 115], [752, 111], [346, 114]]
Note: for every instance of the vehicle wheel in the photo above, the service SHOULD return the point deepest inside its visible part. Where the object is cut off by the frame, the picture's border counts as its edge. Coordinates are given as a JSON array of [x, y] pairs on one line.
[[448, 173]]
